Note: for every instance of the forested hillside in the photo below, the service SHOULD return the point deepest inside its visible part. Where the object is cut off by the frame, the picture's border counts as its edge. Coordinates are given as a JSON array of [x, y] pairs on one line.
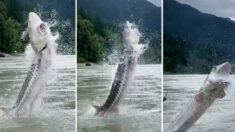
[[93, 37], [10, 30], [202, 40], [113, 14], [143, 13], [14, 15]]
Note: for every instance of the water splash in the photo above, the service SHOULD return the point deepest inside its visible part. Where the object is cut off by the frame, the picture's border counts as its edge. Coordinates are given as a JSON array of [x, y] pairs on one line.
[[61, 28], [42, 62], [29, 53], [131, 36], [66, 41], [130, 40]]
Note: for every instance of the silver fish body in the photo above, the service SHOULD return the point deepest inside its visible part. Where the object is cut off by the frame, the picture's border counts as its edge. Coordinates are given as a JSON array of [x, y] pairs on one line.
[[33, 86], [121, 82], [212, 89]]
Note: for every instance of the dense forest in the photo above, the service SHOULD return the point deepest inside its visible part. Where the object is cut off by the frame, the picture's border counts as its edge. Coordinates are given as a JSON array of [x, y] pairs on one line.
[[99, 30], [10, 30], [60, 14], [93, 37], [194, 42], [13, 21], [143, 13], [182, 57]]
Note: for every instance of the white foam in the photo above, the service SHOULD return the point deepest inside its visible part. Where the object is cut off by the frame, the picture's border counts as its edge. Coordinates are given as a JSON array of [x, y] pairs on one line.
[[132, 37], [29, 53]]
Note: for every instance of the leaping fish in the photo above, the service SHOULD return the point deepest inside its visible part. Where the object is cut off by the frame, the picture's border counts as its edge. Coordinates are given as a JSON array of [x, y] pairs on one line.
[[212, 89], [44, 46], [124, 73]]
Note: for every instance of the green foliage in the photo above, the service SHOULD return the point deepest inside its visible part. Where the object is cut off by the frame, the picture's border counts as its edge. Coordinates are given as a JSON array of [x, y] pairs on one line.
[[181, 57], [175, 54], [94, 37], [108, 39], [10, 41], [143, 13], [209, 39], [17, 10], [116, 12], [90, 38], [197, 27], [13, 16], [205, 56], [66, 40]]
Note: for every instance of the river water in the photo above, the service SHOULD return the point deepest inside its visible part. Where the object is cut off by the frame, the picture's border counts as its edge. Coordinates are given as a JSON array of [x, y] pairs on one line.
[[141, 110], [220, 117], [57, 112]]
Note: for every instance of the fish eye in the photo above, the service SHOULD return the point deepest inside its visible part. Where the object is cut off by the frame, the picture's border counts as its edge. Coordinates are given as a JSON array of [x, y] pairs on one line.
[[43, 27]]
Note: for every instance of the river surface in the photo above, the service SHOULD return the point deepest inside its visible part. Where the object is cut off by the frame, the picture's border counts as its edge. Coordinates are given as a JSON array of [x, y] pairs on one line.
[[220, 117], [141, 110], [57, 112]]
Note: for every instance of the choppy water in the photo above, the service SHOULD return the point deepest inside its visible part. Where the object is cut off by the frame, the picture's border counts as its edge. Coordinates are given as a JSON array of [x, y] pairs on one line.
[[57, 112], [141, 110], [220, 117]]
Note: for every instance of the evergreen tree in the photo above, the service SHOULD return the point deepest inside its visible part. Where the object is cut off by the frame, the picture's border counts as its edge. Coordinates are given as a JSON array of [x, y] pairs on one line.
[[10, 41]]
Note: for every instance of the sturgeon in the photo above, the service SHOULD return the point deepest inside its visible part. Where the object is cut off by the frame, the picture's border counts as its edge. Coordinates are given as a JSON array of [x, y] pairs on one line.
[[125, 71], [44, 46], [119, 88], [213, 88]]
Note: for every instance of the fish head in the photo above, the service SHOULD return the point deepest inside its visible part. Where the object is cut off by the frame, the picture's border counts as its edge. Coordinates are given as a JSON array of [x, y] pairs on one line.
[[216, 83], [219, 79], [220, 73], [38, 30]]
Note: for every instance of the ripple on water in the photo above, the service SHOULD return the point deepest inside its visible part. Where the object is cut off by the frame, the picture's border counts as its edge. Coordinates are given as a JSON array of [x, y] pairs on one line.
[[140, 110], [57, 112], [220, 117]]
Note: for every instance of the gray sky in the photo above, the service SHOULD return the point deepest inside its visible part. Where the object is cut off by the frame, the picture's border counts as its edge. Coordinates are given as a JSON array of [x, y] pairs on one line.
[[221, 8], [155, 2]]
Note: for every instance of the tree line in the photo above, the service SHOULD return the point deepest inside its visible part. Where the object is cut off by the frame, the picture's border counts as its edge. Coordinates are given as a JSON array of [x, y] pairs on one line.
[[97, 40], [10, 29], [182, 57], [93, 37]]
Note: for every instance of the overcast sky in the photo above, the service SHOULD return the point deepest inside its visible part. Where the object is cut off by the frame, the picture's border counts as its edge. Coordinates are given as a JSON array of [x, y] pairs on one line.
[[155, 2], [222, 8]]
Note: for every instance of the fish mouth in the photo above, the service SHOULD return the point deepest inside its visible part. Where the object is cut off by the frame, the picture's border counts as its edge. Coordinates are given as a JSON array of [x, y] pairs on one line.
[[222, 84], [219, 88]]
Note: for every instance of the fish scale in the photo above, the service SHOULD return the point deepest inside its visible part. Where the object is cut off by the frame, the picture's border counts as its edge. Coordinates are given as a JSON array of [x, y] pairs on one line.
[[32, 75], [124, 74], [119, 86], [119, 91]]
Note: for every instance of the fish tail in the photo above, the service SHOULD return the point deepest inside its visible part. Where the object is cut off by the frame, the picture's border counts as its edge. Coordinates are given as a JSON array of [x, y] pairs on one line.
[[97, 108]]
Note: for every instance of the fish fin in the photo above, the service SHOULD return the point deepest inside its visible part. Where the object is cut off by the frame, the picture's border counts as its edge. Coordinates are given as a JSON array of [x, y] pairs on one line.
[[199, 97], [97, 108]]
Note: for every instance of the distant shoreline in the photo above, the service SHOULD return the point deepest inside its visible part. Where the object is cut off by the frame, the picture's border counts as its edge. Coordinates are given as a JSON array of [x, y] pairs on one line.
[[2, 55], [84, 63]]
